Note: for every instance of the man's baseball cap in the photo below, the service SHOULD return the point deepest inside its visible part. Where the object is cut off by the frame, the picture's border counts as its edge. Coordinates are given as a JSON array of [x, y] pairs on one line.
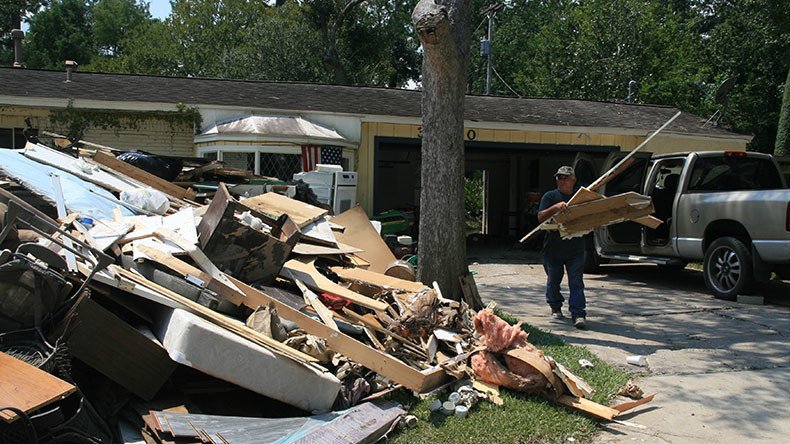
[[564, 171]]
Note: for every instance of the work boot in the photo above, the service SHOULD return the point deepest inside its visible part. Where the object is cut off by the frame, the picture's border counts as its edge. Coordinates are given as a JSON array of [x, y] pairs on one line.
[[580, 322], [556, 313]]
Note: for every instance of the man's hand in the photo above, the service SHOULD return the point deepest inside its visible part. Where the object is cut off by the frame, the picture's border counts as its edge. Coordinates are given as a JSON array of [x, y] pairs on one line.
[[551, 211]]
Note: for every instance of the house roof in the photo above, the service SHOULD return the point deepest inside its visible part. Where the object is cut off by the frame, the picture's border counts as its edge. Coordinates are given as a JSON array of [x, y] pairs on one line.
[[356, 100]]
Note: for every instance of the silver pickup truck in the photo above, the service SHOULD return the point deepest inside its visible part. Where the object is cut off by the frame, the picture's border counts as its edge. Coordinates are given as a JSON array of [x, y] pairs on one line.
[[728, 209]]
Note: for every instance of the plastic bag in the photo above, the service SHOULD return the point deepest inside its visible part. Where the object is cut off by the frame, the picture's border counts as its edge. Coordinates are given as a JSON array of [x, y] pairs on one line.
[[148, 199]]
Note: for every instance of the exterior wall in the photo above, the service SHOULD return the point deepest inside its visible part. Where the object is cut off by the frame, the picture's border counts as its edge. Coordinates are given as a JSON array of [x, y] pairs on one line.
[[660, 144], [154, 135]]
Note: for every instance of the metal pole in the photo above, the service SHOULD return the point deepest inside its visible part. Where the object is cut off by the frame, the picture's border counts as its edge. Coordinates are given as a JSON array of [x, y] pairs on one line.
[[490, 51]]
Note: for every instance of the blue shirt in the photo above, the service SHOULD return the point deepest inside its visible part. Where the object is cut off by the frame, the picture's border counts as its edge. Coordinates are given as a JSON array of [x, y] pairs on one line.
[[553, 245]]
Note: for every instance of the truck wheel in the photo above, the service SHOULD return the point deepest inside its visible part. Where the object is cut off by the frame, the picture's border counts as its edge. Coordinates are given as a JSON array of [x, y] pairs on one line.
[[728, 268]]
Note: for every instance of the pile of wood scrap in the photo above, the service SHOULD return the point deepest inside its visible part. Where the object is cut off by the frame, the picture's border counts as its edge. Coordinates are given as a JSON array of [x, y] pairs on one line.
[[269, 295]]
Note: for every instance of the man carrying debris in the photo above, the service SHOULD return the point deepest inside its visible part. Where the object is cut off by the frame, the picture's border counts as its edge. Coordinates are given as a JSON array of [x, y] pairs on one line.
[[563, 254]]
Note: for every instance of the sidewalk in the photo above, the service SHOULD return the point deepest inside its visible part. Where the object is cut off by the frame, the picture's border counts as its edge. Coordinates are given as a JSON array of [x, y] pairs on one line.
[[721, 369]]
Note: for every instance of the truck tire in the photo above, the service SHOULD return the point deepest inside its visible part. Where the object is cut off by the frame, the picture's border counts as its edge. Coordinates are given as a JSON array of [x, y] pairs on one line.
[[728, 268]]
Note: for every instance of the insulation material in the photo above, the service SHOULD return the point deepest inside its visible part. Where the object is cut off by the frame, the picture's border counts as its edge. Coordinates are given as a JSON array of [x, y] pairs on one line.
[[487, 368], [199, 344], [496, 334]]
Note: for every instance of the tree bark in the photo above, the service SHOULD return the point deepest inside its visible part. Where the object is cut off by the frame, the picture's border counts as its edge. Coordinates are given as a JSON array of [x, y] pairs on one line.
[[444, 30], [782, 147]]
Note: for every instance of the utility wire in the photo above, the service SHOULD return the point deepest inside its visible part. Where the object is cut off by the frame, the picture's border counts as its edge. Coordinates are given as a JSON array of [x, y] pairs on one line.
[[506, 84]]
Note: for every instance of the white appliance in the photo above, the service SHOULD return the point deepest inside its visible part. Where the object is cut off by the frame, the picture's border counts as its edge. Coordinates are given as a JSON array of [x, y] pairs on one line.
[[345, 193], [321, 182]]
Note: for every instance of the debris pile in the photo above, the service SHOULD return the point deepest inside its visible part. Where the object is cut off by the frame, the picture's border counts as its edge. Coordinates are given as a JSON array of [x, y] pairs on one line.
[[160, 318]]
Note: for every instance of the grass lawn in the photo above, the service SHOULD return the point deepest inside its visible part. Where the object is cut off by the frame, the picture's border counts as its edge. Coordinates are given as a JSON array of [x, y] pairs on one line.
[[523, 418]]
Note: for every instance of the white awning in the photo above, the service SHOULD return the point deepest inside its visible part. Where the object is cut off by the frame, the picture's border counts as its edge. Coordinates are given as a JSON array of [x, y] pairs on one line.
[[254, 128]]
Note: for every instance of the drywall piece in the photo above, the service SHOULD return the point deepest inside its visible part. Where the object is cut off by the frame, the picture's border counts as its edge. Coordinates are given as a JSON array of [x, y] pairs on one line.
[[275, 205], [378, 279], [364, 423], [97, 337], [360, 233], [199, 344], [320, 232], [307, 273], [27, 388]]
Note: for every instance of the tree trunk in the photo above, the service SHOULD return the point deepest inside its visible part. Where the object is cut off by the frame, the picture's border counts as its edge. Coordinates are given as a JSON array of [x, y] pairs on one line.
[[782, 147], [444, 29]]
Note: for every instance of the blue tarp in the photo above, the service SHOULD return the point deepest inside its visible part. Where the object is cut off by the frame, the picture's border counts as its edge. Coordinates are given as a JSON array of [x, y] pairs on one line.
[[89, 199]]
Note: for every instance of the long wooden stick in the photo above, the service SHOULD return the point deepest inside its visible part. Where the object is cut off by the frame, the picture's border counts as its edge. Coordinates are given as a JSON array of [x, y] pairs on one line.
[[609, 175]]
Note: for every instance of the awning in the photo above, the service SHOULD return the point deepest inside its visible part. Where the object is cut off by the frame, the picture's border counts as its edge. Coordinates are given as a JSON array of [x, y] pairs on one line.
[[254, 128]]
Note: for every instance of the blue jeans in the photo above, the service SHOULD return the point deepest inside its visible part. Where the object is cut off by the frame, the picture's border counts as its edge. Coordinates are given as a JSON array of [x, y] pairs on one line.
[[555, 268]]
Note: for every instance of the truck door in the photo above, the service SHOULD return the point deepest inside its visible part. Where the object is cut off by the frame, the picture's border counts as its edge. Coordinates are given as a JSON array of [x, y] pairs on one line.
[[624, 237]]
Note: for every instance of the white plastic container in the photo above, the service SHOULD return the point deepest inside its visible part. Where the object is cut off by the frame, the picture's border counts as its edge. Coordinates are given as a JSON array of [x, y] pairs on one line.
[[461, 411], [639, 360]]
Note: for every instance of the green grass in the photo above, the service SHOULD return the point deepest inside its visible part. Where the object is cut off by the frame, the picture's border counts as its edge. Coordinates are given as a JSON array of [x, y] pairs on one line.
[[523, 418]]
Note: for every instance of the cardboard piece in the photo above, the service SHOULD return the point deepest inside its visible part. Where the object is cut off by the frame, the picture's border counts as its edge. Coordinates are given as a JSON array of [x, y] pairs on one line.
[[360, 233]]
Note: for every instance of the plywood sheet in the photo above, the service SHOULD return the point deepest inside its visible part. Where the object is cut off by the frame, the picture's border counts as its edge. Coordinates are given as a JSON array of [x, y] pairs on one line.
[[360, 233], [27, 388], [303, 214]]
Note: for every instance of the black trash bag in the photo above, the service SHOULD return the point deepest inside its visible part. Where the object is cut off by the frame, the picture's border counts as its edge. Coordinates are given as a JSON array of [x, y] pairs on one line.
[[163, 167]]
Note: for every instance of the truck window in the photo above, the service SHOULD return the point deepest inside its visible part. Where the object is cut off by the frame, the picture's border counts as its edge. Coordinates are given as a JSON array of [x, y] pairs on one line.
[[730, 173]]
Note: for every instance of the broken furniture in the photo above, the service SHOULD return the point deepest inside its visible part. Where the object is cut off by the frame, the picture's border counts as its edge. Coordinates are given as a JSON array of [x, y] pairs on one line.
[[247, 253]]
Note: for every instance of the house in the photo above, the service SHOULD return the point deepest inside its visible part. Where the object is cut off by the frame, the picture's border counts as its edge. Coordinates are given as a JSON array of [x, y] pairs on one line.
[[268, 126]]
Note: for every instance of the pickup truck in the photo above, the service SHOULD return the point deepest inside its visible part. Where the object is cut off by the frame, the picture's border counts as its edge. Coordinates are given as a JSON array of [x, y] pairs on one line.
[[728, 209]]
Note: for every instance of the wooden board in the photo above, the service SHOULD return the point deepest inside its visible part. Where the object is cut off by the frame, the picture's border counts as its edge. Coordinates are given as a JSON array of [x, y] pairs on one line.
[[303, 214], [145, 177], [117, 350], [360, 233], [587, 406], [582, 218], [27, 388], [305, 249], [308, 274], [378, 279], [469, 290]]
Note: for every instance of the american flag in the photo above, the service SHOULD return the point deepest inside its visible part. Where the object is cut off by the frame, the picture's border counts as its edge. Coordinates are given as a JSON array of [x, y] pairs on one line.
[[313, 155]]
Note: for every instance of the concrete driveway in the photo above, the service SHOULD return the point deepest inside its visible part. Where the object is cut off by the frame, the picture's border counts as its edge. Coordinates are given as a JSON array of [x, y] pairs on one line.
[[721, 369]]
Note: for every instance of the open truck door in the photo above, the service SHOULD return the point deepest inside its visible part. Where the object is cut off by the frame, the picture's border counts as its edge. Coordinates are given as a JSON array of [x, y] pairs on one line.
[[623, 237]]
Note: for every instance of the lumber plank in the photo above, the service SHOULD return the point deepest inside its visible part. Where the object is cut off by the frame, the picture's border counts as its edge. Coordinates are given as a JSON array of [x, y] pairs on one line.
[[27, 387], [145, 177], [378, 279], [590, 407], [308, 274], [311, 298]]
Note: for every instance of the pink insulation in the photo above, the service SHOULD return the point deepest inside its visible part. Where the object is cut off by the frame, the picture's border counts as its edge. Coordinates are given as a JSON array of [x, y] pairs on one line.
[[487, 368], [496, 334]]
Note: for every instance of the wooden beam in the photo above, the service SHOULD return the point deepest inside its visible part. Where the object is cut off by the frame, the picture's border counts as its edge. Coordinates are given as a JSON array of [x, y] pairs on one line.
[[145, 177], [378, 279], [590, 407]]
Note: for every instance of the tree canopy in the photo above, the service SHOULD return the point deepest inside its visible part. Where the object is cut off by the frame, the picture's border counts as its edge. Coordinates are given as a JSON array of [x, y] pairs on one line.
[[677, 52]]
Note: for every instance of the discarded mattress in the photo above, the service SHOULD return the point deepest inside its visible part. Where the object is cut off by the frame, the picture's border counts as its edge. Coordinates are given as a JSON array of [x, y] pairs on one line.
[[197, 343]]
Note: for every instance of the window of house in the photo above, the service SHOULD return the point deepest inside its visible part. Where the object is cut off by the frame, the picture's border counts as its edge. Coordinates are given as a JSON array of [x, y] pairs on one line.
[[13, 137]]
